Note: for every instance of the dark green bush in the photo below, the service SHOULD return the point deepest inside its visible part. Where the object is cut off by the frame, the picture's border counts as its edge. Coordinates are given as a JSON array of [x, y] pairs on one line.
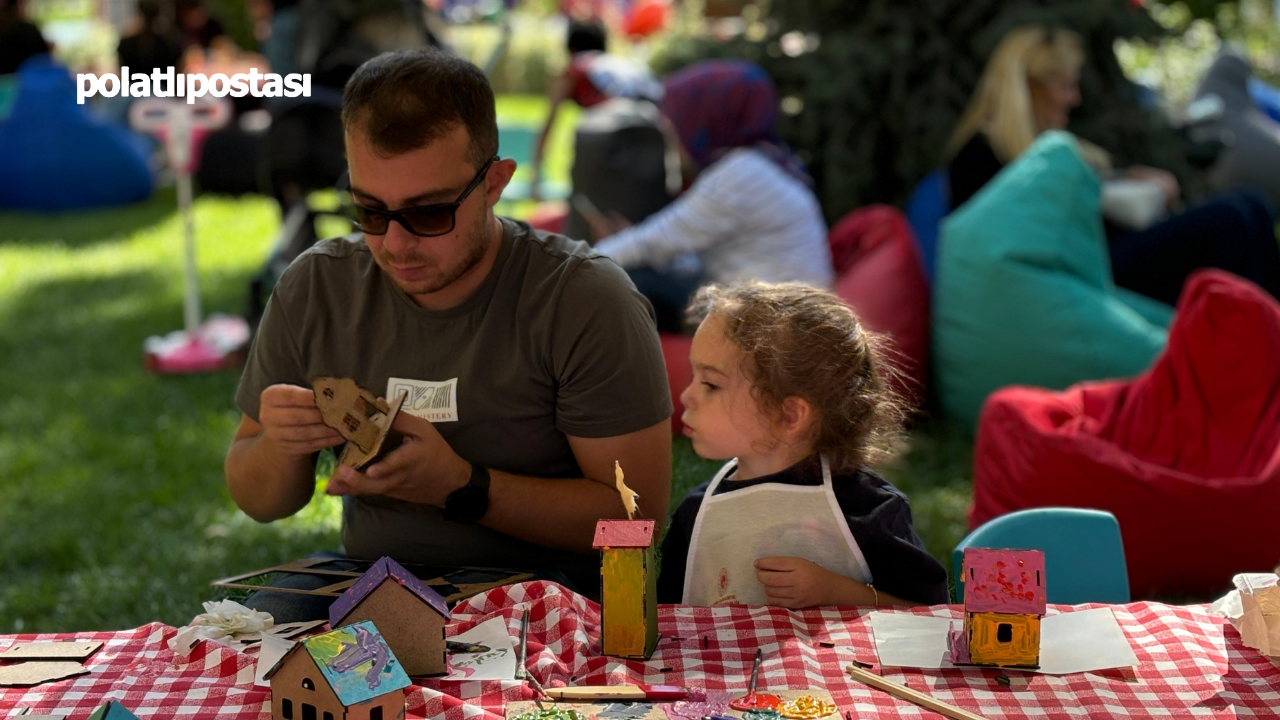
[[887, 80]]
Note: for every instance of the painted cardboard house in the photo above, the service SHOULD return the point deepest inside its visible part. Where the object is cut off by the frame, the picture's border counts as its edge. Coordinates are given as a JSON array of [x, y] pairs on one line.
[[344, 674], [410, 615], [1259, 618], [628, 587], [112, 710], [1004, 600]]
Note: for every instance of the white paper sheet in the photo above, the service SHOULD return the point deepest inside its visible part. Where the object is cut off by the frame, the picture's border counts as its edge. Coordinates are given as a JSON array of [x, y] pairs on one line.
[[1069, 643], [499, 663], [272, 648]]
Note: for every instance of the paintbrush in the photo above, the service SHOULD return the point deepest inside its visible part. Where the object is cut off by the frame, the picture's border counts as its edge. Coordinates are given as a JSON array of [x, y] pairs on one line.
[[646, 693], [524, 645], [749, 701], [755, 672]]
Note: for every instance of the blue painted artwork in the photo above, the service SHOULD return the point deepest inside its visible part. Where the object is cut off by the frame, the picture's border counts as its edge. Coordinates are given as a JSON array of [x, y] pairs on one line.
[[357, 663]]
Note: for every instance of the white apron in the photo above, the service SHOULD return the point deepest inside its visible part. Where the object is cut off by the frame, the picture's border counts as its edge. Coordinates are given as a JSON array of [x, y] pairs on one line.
[[737, 528]]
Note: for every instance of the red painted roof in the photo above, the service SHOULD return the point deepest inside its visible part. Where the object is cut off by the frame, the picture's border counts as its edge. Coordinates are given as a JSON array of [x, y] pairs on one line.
[[1004, 581], [623, 534]]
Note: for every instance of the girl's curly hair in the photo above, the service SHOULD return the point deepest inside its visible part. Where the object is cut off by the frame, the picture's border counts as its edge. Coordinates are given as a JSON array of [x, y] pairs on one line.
[[804, 342]]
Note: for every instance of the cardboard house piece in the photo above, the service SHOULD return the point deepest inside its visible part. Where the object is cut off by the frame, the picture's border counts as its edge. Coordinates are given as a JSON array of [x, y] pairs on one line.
[[1004, 600], [364, 420], [344, 674], [628, 588], [410, 615]]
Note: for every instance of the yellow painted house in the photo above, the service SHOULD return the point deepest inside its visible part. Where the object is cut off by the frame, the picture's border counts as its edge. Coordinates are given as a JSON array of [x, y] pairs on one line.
[[1004, 600], [628, 587]]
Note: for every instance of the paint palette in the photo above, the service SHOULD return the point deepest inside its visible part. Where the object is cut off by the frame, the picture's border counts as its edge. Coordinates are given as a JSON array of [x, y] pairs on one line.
[[683, 710]]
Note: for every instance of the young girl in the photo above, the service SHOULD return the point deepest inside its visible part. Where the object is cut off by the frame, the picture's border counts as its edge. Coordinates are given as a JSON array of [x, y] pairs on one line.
[[789, 385]]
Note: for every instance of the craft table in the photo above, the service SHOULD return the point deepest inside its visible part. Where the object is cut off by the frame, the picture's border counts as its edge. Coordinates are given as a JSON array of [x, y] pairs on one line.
[[1192, 664]]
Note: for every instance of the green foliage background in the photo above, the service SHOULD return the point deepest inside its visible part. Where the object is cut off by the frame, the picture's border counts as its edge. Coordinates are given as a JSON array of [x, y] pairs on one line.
[[876, 92]]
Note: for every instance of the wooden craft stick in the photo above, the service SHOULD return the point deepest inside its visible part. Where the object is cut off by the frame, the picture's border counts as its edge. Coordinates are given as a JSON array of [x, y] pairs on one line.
[[910, 695]]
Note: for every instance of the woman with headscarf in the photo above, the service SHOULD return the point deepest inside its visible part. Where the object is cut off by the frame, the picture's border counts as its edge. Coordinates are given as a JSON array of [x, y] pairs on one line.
[[750, 212], [1031, 84]]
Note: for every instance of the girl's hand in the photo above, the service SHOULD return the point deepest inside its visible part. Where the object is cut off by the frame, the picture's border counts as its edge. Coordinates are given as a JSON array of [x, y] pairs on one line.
[[795, 583]]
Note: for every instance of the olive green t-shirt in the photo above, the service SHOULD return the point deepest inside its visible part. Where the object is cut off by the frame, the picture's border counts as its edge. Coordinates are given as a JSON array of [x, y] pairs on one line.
[[555, 342]]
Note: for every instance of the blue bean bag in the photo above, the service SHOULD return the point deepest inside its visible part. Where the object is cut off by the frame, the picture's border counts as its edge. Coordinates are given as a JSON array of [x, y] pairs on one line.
[[1266, 97], [1024, 293], [928, 205], [55, 156]]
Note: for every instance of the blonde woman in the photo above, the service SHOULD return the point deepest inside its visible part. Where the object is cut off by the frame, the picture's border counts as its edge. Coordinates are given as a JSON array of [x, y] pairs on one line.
[[1031, 84]]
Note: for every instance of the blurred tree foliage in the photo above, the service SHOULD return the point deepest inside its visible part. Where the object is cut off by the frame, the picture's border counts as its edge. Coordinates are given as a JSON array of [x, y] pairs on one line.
[[236, 19], [1200, 30], [873, 88], [1198, 9]]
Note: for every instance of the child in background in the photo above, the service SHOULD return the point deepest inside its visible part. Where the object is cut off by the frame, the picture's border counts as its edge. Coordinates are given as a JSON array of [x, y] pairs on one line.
[[789, 385], [592, 77]]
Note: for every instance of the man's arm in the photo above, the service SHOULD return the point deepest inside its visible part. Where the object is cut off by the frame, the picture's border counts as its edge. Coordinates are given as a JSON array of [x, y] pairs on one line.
[[270, 466], [569, 509], [551, 512]]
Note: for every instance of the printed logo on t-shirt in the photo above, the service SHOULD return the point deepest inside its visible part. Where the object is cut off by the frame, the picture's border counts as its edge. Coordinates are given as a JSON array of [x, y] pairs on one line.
[[428, 399]]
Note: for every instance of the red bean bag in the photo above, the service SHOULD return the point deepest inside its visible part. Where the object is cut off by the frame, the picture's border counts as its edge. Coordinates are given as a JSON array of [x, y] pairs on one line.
[[879, 274], [1186, 455]]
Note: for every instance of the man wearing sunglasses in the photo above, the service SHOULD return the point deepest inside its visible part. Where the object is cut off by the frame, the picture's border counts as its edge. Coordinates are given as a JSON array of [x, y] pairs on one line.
[[530, 362]]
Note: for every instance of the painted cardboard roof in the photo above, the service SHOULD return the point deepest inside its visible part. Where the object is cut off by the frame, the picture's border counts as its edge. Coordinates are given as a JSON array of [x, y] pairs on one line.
[[623, 534], [1004, 581], [383, 569], [354, 660], [112, 711]]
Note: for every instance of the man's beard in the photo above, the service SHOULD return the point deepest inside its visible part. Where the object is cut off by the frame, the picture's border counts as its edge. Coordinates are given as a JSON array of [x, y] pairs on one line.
[[478, 242]]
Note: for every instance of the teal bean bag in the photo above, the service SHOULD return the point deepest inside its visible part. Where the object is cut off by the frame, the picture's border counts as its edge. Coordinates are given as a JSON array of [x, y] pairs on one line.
[[1024, 294]]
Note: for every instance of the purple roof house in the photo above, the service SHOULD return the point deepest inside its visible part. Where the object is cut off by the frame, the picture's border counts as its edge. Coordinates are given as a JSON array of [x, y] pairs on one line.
[[409, 615]]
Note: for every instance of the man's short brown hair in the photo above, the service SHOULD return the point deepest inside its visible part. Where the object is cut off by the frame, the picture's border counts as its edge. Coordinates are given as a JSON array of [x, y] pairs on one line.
[[404, 100]]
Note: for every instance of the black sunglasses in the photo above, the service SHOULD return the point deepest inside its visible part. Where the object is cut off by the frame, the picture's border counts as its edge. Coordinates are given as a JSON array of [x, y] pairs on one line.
[[422, 220]]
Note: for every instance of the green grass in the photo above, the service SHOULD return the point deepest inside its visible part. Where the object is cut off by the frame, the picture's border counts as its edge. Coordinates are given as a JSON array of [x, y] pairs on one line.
[[113, 508]]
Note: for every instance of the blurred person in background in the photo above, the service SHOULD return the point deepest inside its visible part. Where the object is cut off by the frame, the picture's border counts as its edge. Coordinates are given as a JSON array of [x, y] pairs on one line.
[[1031, 84], [592, 77], [19, 38], [750, 212], [196, 27], [278, 20], [153, 46]]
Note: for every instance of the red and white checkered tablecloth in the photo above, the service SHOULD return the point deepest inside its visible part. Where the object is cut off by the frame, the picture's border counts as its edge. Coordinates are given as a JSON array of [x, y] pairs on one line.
[[1191, 664]]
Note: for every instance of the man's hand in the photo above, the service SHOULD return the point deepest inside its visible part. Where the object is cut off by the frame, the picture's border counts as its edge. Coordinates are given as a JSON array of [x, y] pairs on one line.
[[291, 421], [795, 583], [424, 469]]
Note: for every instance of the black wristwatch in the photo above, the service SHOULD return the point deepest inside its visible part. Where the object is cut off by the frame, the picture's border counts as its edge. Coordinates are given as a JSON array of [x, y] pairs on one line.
[[470, 502]]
